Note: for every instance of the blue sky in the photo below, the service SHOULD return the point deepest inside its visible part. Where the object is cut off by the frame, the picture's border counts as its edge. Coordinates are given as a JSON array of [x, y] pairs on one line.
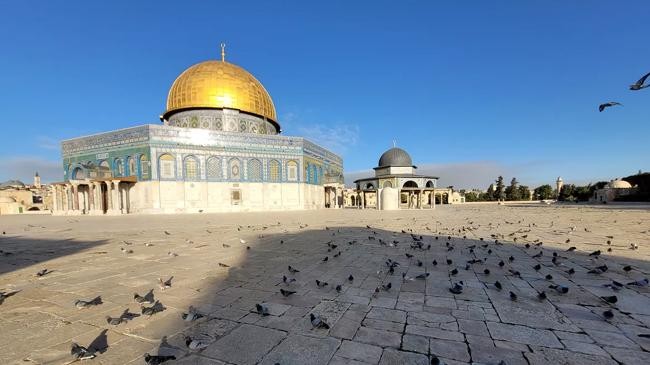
[[471, 89]]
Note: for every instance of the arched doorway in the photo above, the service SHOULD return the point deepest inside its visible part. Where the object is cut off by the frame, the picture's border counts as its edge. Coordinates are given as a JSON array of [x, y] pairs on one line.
[[353, 200], [369, 186], [429, 184], [410, 184]]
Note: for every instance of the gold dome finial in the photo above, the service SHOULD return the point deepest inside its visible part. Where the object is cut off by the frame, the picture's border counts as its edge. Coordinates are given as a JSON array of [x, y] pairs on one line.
[[223, 52]]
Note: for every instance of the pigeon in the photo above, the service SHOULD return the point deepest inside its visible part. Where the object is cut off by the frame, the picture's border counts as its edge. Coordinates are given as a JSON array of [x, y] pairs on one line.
[[610, 299], [456, 289], [287, 280], [321, 284], [81, 304], [435, 263], [262, 309], [221, 264], [603, 106], [350, 278], [423, 276], [147, 298], [195, 344], [5, 295], [548, 277], [449, 262], [541, 295], [338, 288], [81, 353], [498, 285], [560, 288], [326, 258], [537, 267], [167, 233], [640, 83], [191, 315], [337, 254], [608, 314], [157, 359], [386, 287], [318, 321], [486, 271], [595, 253], [513, 296], [114, 321], [125, 251], [642, 282], [501, 263], [165, 284], [419, 263], [634, 246], [43, 273], [538, 255], [292, 270], [454, 272], [408, 255], [571, 271], [155, 308], [511, 258], [627, 268], [572, 248], [598, 270], [286, 293]]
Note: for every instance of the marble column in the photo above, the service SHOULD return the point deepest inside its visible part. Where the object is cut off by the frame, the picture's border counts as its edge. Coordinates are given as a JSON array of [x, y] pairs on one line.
[[125, 201], [75, 197], [116, 197]]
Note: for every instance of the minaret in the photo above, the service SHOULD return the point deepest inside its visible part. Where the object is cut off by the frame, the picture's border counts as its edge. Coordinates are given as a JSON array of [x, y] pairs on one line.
[[37, 180], [559, 183]]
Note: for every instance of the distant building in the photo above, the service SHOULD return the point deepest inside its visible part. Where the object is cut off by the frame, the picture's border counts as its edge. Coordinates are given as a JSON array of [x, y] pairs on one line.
[[16, 197], [614, 190]]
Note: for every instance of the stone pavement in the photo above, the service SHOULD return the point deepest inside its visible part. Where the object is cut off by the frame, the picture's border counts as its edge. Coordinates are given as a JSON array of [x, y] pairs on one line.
[[413, 321]]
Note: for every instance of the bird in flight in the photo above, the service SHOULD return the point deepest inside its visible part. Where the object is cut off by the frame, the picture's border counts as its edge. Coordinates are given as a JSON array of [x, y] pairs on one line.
[[640, 84], [602, 107]]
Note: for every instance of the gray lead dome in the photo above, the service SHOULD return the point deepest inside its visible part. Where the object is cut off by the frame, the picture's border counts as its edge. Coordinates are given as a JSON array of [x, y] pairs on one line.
[[395, 157]]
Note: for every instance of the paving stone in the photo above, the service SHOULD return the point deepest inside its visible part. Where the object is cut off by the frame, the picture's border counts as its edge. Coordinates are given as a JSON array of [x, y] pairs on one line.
[[612, 339], [360, 352], [483, 353], [378, 337], [585, 348], [345, 328], [415, 343], [299, 350], [387, 315], [546, 356], [435, 333], [246, 344], [449, 349], [521, 334], [629, 357], [511, 345], [337, 360], [396, 357], [473, 327], [195, 360], [383, 325]]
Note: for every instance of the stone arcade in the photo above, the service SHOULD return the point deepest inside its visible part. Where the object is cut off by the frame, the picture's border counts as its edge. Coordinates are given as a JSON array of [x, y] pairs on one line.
[[219, 149]]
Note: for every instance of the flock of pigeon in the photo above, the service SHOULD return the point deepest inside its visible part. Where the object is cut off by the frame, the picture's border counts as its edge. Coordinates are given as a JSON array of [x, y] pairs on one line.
[[640, 84]]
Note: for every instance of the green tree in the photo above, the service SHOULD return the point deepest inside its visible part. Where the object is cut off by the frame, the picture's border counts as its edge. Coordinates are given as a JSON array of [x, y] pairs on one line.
[[544, 192], [489, 194], [524, 192], [499, 193], [567, 193], [472, 197], [512, 191]]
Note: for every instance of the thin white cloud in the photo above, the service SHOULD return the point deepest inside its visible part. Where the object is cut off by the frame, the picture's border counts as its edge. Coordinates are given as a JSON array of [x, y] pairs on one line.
[[48, 143], [337, 138], [23, 168]]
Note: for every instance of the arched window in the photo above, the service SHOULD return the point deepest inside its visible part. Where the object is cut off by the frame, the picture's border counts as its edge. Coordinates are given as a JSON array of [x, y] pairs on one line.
[[292, 171], [104, 169], [214, 168], [78, 174], [234, 169], [369, 186], [144, 167], [191, 168], [119, 167], [274, 171], [254, 170], [131, 164], [388, 184], [429, 184], [166, 165]]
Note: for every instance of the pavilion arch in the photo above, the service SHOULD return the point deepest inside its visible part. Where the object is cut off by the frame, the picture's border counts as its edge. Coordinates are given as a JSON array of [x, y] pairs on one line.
[[166, 167], [292, 170], [118, 167], [387, 184], [143, 167], [104, 169], [78, 173], [370, 186], [131, 165], [429, 184], [410, 184]]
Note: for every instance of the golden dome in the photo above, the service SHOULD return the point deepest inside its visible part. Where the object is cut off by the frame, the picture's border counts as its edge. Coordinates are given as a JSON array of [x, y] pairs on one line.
[[219, 84]]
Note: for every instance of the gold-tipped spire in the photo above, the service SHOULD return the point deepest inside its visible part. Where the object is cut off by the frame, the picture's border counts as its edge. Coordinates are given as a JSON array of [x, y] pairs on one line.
[[223, 52]]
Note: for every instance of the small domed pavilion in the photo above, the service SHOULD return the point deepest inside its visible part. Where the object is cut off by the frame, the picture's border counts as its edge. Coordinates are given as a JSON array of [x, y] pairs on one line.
[[396, 184]]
